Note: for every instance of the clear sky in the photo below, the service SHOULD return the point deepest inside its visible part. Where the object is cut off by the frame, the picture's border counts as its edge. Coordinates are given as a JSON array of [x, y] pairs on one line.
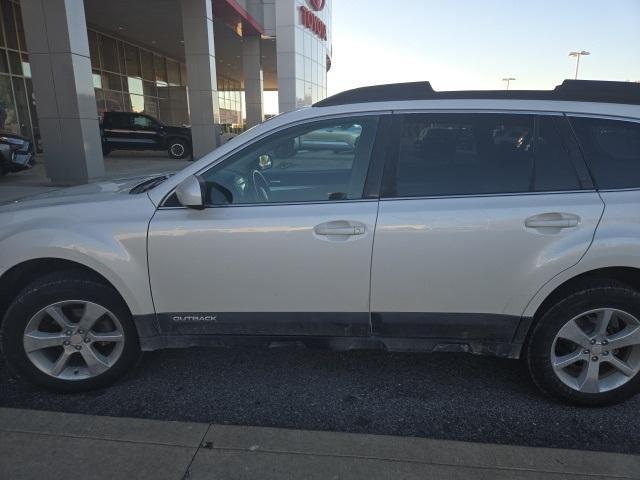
[[473, 44]]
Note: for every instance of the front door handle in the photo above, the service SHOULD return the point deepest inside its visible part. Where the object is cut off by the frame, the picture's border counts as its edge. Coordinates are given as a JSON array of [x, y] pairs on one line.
[[339, 227], [553, 220]]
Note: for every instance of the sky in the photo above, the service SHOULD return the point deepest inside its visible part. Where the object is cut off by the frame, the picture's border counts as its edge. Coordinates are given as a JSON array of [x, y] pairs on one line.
[[473, 44]]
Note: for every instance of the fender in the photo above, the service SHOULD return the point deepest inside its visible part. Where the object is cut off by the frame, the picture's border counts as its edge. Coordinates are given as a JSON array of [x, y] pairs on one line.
[[114, 245], [171, 136], [616, 244]]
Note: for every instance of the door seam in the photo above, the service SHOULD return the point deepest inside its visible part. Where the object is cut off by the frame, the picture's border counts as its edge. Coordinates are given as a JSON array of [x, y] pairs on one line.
[[595, 231], [373, 244]]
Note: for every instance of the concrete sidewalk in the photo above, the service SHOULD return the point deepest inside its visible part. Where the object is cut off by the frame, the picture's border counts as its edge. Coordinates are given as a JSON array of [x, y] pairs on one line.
[[36, 444], [117, 165]]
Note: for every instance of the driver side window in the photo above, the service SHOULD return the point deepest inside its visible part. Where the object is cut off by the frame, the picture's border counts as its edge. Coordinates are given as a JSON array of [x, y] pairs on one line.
[[141, 121], [321, 161]]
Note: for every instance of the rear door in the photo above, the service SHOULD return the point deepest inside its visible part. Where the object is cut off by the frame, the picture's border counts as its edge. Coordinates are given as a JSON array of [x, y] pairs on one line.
[[479, 210]]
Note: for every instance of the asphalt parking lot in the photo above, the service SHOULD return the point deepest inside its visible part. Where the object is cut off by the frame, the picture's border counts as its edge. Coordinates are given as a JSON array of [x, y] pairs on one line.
[[443, 396]]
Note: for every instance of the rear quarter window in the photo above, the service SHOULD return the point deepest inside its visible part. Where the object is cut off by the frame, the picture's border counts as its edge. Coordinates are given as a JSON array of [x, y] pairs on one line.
[[612, 151]]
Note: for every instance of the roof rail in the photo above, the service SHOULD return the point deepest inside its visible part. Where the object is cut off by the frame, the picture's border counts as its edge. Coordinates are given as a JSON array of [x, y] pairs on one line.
[[380, 93], [571, 90]]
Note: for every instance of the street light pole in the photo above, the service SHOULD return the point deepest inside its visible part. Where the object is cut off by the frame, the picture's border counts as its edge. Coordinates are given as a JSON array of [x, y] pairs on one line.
[[508, 80], [578, 54]]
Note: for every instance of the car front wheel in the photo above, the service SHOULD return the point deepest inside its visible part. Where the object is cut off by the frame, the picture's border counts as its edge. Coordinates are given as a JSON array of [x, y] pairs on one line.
[[585, 350], [69, 332], [178, 149]]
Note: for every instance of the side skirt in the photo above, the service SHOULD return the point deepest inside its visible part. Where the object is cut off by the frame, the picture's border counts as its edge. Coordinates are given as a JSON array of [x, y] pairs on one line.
[[391, 344], [481, 334]]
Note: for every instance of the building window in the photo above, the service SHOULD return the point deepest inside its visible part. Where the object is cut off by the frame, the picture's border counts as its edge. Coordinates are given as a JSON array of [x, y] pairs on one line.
[[130, 78], [230, 104], [125, 78]]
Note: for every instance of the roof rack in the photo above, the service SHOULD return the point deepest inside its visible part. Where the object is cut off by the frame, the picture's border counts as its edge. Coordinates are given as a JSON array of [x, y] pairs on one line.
[[572, 90]]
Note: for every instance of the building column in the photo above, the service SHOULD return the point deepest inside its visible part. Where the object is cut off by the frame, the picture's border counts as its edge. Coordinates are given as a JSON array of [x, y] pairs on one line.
[[56, 33], [253, 79], [197, 27]]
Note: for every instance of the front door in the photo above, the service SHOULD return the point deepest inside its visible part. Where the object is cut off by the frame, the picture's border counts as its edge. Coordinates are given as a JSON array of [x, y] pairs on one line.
[[283, 247], [480, 211], [145, 133]]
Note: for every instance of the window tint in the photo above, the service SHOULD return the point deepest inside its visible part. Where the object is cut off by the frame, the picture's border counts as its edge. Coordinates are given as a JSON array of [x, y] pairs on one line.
[[116, 120], [143, 122], [611, 149], [318, 162], [464, 154], [554, 169]]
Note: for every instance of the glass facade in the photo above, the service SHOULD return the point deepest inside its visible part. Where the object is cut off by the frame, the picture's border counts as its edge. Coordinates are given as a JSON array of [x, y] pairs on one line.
[[303, 52], [17, 106], [130, 77], [230, 104], [126, 77], [133, 79]]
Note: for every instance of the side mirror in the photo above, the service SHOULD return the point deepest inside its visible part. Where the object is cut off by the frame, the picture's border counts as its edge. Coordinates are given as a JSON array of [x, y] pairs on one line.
[[264, 161], [190, 193]]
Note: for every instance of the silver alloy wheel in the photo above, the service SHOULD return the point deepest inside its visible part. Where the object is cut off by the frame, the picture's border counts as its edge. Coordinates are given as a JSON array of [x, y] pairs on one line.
[[597, 351], [73, 340], [177, 149]]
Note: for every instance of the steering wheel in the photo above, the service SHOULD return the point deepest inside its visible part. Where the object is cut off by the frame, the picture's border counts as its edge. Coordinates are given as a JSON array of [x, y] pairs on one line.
[[260, 186]]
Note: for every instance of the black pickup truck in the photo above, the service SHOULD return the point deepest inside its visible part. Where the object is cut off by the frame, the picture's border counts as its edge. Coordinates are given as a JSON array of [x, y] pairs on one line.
[[137, 131]]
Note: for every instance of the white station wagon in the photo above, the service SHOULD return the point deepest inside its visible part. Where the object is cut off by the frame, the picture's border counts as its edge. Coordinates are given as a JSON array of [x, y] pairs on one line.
[[391, 217]]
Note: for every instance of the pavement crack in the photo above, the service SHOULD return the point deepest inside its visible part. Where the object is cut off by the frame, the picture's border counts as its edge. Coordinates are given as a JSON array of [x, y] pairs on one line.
[[94, 437], [427, 462], [202, 444]]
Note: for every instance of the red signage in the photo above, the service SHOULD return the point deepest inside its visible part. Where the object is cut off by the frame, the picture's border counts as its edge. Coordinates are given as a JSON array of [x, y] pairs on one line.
[[317, 5], [312, 22]]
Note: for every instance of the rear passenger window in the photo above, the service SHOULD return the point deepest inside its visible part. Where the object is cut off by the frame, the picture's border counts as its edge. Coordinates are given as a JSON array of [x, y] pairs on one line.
[[612, 151], [118, 121], [554, 169], [466, 154]]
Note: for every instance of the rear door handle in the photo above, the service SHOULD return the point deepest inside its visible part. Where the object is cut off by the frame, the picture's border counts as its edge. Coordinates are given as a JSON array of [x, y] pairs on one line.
[[339, 227], [553, 220]]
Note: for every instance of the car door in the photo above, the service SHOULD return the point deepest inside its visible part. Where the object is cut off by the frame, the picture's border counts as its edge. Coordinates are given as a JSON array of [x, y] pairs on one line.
[[145, 133], [473, 222], [117, 131], [291, 257]]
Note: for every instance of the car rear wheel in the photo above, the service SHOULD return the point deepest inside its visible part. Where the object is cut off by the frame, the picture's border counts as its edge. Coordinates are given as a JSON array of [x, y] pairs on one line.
[[69, 332], [178, 149], [585, 350]]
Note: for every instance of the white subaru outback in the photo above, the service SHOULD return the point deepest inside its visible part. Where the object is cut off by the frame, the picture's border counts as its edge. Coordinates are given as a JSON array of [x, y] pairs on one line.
[[392, 217]]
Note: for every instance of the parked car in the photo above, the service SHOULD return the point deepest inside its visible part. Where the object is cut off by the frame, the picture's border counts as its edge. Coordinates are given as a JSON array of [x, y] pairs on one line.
[[527, 249], [137, 131], [16, 153], [341, 138]]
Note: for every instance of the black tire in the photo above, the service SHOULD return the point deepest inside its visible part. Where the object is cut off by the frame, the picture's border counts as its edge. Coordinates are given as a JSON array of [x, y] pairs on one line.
[[178, 148], [588, 295], [56, 287]]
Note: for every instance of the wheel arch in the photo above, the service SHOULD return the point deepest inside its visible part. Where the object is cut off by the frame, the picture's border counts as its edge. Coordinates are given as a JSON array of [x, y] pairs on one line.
[[16, 278], [176, 136], [627, 275], [541, 303]]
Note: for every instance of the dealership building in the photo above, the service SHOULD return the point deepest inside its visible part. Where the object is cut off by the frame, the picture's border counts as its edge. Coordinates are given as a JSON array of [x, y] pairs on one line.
[[210, 64]]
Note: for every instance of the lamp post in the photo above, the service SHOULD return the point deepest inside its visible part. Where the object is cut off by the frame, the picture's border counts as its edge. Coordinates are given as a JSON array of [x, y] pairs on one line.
[[578, 55], [508, 80]]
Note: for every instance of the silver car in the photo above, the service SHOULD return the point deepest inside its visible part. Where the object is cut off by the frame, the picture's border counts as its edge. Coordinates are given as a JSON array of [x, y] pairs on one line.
[[432, 233]]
